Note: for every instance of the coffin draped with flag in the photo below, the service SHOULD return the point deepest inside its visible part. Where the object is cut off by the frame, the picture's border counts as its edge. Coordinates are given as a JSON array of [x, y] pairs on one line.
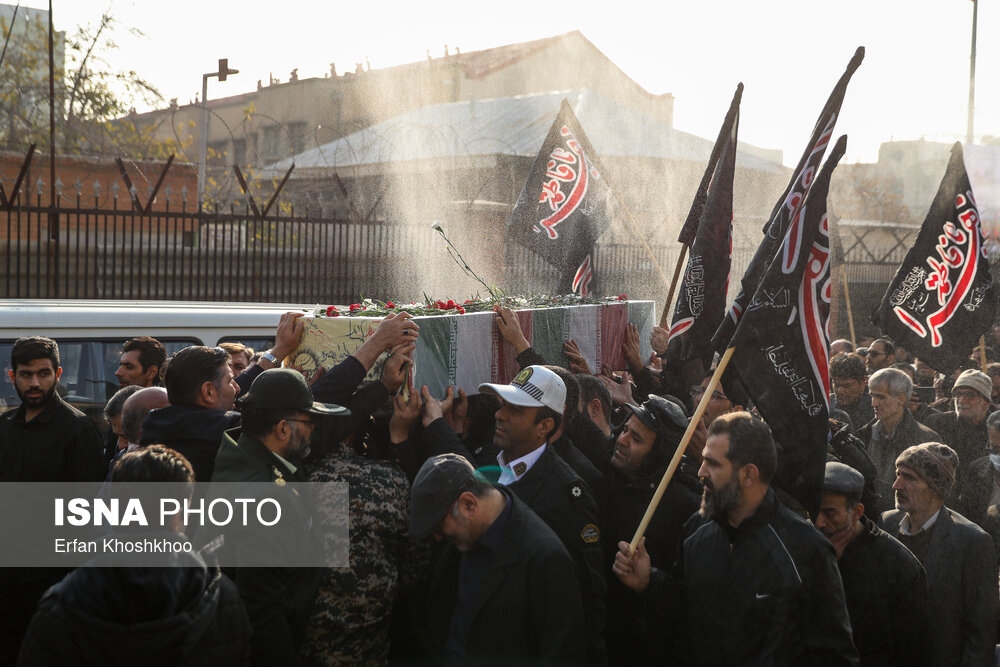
[[701, 299], [782, 343], [565, 205], [942, 298]]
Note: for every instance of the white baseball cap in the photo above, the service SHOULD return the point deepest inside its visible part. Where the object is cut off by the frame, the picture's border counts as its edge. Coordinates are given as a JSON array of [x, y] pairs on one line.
[[534, 387]]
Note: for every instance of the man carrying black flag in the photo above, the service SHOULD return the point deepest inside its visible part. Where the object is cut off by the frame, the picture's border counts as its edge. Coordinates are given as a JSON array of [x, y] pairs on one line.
[[781, 345], [942, 298], [701, 300], [565, 205]]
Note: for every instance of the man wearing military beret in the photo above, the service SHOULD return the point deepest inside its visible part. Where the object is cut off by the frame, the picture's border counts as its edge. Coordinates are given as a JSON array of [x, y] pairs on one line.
[[883, 582], [278, 417]]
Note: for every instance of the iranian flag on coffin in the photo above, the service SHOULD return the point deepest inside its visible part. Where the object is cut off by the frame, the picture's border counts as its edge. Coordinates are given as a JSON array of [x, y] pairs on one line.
[[467, 350], [942, 298]]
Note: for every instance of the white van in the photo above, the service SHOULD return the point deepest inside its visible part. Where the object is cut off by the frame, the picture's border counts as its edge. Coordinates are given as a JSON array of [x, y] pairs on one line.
[[90, 336]]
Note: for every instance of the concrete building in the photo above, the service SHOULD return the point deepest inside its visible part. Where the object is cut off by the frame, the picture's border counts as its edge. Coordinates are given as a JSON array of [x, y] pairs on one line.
[[281, 119], [465, 163]]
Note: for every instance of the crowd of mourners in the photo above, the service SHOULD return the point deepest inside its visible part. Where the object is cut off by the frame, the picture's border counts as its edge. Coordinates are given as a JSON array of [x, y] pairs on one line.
[[495, 528]]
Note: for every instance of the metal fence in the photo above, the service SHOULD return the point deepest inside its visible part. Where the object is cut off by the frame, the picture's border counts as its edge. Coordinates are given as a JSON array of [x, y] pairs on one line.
[[82, 252]]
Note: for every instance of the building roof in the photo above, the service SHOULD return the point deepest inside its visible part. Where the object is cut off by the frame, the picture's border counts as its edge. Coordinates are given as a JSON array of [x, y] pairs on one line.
[[510, 126]]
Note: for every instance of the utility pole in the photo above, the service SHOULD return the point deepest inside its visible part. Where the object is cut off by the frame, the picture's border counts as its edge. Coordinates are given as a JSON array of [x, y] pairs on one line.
[[972, 77]]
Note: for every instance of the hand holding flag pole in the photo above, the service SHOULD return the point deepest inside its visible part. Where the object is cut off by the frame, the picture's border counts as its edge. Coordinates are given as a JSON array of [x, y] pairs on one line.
[[675, 461], [665, 315]]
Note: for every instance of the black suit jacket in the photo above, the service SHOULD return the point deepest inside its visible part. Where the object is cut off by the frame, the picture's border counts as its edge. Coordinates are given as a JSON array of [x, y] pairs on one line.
[[527, 609]]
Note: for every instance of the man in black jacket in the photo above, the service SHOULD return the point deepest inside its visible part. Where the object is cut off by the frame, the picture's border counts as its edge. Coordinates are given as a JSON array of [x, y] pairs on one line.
[[754, 583], [179, 611], [503, 591], [530, 410], [279, 416], [43, 440], [201, 391], [641, 455], [884, 583]]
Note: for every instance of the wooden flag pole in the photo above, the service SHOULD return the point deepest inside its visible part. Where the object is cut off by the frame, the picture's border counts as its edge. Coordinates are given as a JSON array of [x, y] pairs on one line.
[[664, 316], [674, 462], [982, 352], [847, 299]]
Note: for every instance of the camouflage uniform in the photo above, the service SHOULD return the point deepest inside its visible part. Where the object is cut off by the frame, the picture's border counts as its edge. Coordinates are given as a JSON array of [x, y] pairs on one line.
[[350, 622]]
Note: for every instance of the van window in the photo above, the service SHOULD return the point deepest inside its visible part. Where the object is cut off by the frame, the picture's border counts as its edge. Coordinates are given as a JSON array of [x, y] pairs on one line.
[[256, 344], [88, 378]]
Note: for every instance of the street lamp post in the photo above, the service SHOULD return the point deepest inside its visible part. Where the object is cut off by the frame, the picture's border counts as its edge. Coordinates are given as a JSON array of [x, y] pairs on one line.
[[222, 73], [972, 77]]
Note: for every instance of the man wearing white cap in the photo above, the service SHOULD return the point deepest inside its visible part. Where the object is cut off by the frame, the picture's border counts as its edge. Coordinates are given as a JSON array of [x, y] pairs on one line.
[[530, 410]]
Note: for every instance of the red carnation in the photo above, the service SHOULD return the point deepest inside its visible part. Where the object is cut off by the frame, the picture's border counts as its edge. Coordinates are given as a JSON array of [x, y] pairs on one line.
[[623, 297], [355, 306], [390, 304], [460, 310]]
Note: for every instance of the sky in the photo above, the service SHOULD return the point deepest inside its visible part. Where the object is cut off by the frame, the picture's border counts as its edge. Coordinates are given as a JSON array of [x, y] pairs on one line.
[[912, 84]]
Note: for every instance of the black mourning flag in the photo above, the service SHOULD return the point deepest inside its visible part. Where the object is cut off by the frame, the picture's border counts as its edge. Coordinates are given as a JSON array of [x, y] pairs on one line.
[[565, 205], [701, 299], [782, 345], [941, 300], [785, 209]]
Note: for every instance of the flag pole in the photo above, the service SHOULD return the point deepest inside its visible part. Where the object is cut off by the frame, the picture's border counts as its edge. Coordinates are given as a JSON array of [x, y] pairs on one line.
[[674, 462], [664, 316], [982, 352], [847, 299]]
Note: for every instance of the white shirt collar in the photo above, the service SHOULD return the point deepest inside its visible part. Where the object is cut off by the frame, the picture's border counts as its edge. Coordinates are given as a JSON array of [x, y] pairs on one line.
[[904, 525], [518, 468]]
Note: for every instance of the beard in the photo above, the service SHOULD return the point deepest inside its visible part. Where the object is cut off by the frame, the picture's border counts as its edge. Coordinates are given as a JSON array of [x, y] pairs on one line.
[[37, 401], [716, 503], [298, 446]]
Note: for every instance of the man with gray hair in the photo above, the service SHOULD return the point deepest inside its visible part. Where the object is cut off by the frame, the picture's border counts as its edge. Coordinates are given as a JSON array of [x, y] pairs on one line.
[[957, 556], [113, 413], [893, 429]]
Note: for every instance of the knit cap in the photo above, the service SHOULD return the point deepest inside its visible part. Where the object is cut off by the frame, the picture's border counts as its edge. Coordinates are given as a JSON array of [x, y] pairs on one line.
[[934, 463]]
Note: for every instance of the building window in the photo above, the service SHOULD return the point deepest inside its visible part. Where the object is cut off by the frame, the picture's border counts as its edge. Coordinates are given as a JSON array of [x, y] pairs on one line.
[[240, 152], [270, 150], [297, 137]]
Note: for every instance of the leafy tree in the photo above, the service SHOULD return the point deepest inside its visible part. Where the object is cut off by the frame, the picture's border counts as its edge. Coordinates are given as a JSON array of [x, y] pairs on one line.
[[90, 93]]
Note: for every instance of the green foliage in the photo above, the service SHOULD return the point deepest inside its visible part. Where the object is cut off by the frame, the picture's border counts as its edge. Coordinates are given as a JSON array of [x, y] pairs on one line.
[[89, 93]]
